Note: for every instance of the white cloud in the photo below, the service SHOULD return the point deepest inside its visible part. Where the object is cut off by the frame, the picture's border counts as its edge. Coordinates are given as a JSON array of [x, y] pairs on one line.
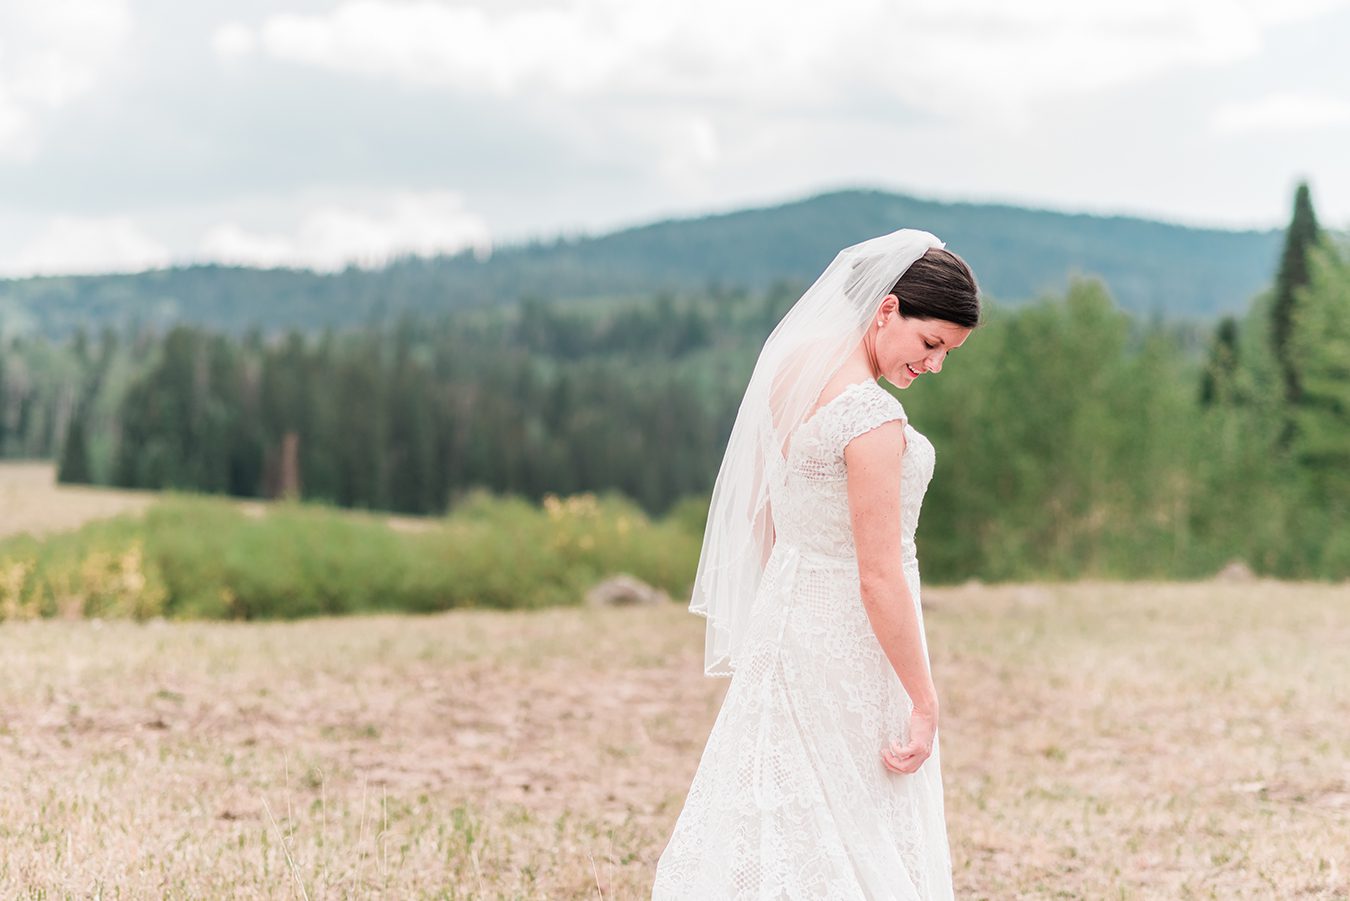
[[326, 237], [330, 237], [230, 243], [70, 245], [1282, 112], [974, 56], [18, 136], [429, 43], [684, 147], [52, 52], [233, 40]]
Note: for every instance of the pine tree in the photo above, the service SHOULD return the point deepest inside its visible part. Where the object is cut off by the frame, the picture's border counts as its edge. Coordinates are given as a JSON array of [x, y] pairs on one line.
[[1302, 234], [1217, 380], [1320, 339], [74, 465]]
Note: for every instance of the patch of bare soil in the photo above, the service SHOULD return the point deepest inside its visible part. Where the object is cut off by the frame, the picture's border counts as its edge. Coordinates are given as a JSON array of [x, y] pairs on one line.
[[1098, 740], [32, 501]]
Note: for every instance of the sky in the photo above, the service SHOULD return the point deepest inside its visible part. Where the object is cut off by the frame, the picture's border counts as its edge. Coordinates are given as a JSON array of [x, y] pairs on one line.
[[137, 134]]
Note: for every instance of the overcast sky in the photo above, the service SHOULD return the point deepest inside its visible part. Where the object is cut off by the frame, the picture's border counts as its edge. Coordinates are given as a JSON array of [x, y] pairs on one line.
[[137, 133]]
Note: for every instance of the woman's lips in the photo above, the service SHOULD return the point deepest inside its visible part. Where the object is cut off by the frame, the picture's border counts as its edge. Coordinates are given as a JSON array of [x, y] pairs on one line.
[[912, 371]]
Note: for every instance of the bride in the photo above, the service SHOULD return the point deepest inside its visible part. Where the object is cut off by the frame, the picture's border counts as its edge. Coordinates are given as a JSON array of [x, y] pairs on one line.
[[821, 778]]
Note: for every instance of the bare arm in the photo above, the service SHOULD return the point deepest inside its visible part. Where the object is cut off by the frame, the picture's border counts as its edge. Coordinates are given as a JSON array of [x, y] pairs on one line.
[[873, 463], [874, 492]]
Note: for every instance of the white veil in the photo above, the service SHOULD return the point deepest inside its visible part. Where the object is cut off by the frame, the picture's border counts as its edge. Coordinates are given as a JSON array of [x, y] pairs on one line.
[[801, 354]]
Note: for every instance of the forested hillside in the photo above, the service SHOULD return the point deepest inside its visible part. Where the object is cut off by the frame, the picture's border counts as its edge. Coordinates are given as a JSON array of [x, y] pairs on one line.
[[1149, 267], [1073, 437]]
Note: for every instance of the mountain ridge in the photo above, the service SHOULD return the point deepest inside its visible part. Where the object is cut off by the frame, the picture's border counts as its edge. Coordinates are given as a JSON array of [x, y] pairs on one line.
[[1017, 253]]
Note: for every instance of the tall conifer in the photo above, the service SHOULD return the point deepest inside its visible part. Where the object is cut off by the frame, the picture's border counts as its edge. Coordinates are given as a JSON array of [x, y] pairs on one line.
[[1320, 340], [74, 463], [1216, 381], [1303, 233]]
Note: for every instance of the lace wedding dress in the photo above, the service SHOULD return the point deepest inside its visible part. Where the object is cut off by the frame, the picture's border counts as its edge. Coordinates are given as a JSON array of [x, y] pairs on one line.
[[791, 799]]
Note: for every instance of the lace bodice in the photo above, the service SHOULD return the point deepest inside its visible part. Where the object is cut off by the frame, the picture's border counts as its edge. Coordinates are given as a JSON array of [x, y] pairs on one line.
[[810, 505]]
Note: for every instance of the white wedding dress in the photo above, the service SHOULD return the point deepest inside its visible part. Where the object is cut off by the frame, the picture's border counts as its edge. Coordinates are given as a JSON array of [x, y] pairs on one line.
[[791, 799]]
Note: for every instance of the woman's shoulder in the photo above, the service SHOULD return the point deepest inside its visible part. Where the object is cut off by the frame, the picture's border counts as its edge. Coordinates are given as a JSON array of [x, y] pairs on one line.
[[869, 395], [861, 383], [862, 407]]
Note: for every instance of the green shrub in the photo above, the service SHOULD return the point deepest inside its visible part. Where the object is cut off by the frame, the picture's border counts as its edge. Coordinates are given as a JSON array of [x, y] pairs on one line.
[[203, 557]]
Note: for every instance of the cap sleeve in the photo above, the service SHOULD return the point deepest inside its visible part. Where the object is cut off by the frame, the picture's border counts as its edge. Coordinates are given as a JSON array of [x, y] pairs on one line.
[[864, 411]]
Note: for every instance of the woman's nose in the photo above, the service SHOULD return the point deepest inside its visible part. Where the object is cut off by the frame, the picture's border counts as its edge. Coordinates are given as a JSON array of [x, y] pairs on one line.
[[935, 361]]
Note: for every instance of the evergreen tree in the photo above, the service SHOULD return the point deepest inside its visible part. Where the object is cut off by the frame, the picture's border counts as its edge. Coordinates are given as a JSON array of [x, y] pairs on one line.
[[1217, 381], [74, 466], [1302, 234], [1321, 341]]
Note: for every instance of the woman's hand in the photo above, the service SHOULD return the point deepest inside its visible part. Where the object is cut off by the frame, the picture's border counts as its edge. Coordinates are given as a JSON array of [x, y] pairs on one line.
[[906, 759]]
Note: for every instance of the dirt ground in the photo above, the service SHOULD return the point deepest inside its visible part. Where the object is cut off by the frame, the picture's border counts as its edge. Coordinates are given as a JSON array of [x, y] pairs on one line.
[[32, 501], [1123, 741]]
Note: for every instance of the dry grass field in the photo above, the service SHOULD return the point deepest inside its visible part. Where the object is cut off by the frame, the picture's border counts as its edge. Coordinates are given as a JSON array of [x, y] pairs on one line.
[[1125, 741], [32, 501], [1099, 741]]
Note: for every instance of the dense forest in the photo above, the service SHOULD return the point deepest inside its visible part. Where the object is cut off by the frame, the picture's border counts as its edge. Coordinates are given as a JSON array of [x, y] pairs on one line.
[[1073, 438], [1149, 267]]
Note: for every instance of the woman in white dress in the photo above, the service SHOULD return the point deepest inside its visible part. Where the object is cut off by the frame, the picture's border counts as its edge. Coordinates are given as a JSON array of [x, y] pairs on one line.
[[821, 778]]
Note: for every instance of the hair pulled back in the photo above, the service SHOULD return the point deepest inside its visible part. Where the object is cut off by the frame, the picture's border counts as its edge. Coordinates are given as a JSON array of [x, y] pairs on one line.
[[939, 285]]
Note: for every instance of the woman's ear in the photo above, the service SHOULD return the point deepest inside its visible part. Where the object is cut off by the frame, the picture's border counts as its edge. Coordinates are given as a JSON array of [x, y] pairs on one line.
[[890, 305]]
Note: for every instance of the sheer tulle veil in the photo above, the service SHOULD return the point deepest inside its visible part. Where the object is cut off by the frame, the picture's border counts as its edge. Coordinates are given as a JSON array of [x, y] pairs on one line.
[[804, 350]]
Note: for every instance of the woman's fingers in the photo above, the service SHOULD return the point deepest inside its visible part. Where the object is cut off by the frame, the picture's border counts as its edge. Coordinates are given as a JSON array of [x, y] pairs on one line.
[[903, 769], [910, 749], [891, 757], [904, 759]]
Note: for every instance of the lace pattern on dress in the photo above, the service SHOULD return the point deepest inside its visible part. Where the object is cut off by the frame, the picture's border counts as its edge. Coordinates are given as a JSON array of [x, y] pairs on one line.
[[807, 508], [791, 799]]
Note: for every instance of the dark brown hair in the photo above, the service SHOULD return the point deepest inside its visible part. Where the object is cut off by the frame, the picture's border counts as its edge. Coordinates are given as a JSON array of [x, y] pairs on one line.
[[939, 285]]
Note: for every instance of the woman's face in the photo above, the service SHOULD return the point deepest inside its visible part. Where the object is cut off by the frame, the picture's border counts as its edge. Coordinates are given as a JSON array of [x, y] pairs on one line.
[[909, 348]]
